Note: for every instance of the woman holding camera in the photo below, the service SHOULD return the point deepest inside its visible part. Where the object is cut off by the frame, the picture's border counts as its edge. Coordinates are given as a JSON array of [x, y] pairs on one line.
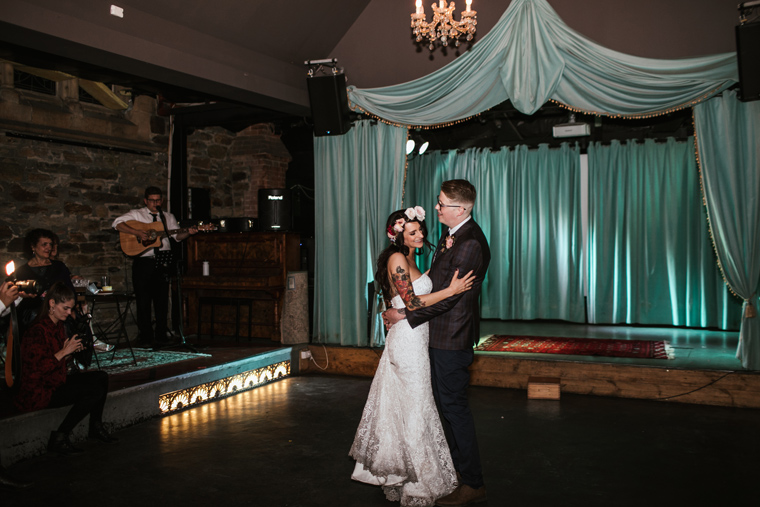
[[45, 383], [38, 245]]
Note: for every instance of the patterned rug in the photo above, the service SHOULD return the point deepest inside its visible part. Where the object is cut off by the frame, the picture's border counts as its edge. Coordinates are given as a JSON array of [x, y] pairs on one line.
[[146, 358], [644, 349]]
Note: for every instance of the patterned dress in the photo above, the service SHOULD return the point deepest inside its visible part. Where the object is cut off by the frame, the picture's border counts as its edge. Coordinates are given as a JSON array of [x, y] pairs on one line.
[[400, 444]]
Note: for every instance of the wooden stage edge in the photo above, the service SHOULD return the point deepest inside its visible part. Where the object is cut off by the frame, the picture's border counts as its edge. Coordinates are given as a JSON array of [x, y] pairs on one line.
[[704, 387]]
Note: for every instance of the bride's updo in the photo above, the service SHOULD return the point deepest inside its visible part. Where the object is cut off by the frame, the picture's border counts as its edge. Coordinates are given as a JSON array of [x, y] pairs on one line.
[[394, 228]]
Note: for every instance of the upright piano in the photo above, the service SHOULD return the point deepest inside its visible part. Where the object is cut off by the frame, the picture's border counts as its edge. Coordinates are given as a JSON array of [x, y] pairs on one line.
[[250, 267]]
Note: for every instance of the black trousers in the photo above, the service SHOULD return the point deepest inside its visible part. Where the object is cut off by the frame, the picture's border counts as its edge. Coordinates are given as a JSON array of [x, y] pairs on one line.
[[151, 290], [87, 392], [451, 378]]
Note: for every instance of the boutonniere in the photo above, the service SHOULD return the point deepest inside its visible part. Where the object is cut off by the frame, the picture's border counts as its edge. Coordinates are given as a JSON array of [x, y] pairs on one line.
[[448, 243]]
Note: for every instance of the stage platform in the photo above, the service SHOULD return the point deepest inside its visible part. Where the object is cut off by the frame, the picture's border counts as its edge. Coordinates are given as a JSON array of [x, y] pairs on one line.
[[136, 396], [704, 371]]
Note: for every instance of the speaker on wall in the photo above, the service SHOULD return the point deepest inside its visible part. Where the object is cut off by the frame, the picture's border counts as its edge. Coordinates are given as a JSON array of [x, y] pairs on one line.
[[748, 58], [329, 104], [275, 209]]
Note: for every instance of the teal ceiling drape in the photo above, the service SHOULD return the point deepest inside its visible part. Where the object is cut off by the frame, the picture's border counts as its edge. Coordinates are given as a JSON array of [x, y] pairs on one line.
[[530, 57]]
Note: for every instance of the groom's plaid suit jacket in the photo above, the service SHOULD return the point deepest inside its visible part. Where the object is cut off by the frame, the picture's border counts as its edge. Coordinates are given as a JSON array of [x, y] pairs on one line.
[[455, 322]]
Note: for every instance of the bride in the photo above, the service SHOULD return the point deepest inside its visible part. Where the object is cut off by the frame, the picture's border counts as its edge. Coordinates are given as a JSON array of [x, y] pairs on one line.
[[400, 444]]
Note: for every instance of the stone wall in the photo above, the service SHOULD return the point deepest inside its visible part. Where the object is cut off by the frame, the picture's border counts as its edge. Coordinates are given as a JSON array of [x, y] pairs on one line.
[[235, 166], [76, 182]]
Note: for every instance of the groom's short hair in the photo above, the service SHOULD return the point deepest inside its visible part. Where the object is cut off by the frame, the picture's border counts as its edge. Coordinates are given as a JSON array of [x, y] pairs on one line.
[[459, 191]]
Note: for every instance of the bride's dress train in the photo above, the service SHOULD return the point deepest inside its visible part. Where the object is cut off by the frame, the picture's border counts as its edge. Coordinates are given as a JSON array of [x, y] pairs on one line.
[[400, 444]]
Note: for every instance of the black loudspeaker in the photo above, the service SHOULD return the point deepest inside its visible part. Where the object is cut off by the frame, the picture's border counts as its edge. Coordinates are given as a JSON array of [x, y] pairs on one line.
[[329, 104], [748, 57], [275, 209], [199, 204]]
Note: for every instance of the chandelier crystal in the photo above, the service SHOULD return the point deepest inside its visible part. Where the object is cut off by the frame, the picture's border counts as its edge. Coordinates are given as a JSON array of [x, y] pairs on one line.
[[444, 27]]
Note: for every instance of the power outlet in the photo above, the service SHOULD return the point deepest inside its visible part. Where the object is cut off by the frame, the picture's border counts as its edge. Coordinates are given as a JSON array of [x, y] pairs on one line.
[[306, 354]]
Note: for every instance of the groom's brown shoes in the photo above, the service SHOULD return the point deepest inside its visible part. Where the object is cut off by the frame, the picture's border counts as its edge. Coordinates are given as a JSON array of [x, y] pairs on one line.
[[463, 495]]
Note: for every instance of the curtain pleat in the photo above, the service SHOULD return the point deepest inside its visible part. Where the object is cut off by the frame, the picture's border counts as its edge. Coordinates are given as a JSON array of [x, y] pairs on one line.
[[650, 257], [358, 182]]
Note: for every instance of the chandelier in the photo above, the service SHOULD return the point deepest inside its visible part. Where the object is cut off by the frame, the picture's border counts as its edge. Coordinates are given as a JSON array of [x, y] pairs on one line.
[[444, 27]]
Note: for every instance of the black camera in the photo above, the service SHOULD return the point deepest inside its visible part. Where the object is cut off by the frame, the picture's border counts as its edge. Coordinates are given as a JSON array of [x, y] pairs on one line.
[[28, 286], [78, 323]]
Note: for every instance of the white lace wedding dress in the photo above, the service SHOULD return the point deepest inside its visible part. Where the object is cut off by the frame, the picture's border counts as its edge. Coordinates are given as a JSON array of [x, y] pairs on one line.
[[400, 444]]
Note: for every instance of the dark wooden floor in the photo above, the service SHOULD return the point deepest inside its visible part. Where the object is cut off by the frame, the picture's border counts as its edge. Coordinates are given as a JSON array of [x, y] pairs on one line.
[[286, 444]]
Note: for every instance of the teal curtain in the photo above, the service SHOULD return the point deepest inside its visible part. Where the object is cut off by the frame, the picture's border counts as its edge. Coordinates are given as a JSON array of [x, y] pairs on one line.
[[528, 206], [728, 132], [358, 183], [650, 256], [530, 57]]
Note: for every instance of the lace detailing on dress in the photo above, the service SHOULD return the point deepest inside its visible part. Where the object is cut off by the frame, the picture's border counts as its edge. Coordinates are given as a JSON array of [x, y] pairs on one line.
[[400, 443]]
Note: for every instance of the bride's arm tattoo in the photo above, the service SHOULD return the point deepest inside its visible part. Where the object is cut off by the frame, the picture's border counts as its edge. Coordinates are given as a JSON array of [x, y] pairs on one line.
[[403, 283]]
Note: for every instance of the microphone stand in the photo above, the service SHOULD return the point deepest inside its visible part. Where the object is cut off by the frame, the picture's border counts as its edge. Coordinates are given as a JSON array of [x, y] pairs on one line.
[[175, 260]]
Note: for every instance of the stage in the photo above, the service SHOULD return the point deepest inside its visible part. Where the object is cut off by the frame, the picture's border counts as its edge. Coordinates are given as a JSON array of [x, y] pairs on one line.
[[704, 370]]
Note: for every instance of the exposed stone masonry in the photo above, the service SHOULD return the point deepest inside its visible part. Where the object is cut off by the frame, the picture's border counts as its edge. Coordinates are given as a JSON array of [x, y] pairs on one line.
[[72, 168]]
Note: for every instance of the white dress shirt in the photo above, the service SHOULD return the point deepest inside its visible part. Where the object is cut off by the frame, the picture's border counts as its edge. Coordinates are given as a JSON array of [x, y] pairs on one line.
[[145, 216]]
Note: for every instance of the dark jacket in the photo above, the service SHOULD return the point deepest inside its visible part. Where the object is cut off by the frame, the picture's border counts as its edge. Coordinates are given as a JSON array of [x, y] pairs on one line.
[[455, 322]]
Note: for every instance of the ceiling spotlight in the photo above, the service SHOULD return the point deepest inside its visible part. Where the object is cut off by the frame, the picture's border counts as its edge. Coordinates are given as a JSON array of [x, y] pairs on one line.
[[409, 146], [423, 147]]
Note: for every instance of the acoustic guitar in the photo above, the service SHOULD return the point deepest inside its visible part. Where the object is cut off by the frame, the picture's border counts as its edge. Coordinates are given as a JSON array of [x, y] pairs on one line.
[[132, 245]]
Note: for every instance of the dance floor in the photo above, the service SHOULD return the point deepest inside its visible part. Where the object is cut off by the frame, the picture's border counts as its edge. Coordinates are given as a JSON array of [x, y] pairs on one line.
[[286, 444]]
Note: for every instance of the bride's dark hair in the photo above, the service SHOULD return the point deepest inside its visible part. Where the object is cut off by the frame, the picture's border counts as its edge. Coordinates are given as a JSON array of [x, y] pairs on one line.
[[396, 245]]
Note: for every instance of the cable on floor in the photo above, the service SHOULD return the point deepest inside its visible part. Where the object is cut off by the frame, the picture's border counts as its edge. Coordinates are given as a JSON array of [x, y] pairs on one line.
[[698, 388]]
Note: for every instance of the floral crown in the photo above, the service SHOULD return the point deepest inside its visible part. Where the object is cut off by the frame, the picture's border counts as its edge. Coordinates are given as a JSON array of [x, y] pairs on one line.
[[416, 213]]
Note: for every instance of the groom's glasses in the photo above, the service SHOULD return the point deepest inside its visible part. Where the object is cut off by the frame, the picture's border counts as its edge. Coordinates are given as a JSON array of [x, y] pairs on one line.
[[441, 205]]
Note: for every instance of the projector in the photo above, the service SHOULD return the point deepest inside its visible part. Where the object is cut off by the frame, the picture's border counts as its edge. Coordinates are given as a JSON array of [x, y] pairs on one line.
[[571, 130]]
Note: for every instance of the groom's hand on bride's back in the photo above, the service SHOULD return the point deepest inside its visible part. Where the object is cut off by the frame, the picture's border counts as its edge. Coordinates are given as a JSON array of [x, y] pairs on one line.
[[392, 316]]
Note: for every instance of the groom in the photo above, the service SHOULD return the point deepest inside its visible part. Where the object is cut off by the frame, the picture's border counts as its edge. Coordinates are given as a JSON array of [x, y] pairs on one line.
[[454, 328]]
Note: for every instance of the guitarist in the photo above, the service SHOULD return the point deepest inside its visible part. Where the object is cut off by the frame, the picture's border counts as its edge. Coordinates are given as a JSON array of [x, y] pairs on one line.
[[148, 279]]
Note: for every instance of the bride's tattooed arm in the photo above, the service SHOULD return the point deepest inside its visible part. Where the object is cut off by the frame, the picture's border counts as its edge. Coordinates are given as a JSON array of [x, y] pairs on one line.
[[403, 283]]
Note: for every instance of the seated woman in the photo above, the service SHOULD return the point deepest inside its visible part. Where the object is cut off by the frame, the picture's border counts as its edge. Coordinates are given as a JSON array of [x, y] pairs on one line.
[[38, 245], [45, 352], [41, 248]]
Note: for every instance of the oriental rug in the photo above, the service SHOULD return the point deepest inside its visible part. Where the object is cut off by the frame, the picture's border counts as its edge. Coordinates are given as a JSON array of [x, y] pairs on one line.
[[122, 362], [643, 349]]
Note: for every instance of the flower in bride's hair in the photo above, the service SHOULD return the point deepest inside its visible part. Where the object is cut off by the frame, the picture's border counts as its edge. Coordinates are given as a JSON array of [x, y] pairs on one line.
[[391, 234], [416, 213], [399, 225]]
